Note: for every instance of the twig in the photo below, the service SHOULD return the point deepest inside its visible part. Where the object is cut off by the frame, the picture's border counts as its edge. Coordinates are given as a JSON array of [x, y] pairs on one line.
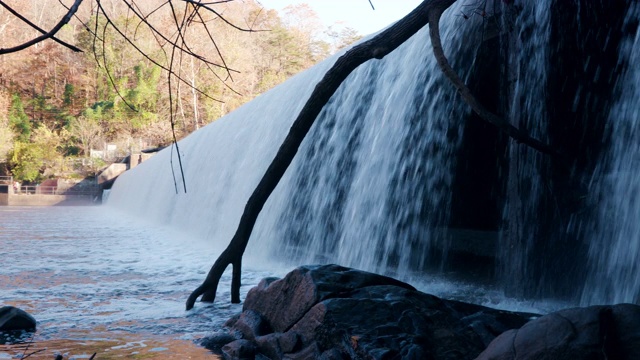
[[48, 35], [33, 352], [204, 5], [19, 16]]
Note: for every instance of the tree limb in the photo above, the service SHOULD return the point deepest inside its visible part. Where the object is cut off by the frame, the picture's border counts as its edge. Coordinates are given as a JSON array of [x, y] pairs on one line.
[[428, 12], [377, 47], [503, 125], [19, 16], [47, 35]]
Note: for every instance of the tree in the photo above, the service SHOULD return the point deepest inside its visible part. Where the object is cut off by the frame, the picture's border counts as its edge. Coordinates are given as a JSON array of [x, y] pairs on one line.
[[428, 12], [18, 119], [30, 160], [6, 133], [86, 131]]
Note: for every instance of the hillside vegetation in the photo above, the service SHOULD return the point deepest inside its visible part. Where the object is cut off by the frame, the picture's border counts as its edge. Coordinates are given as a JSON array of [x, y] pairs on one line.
[[67, 114]]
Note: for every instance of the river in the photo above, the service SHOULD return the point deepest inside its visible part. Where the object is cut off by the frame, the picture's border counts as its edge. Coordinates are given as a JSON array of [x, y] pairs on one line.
[[97, 281]]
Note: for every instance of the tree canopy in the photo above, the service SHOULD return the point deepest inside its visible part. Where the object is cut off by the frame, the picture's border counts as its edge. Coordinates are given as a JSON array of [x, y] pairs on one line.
[[127, 72]]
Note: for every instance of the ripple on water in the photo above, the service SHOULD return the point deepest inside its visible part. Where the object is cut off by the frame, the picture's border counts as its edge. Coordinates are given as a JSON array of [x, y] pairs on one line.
[[97, 282]]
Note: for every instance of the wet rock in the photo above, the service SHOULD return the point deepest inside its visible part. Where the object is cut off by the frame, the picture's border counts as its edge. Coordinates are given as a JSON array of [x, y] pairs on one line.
[[239, 349], [216, 342], [12, 319], [596, 332], [251, 325], [290, 298], [333, 312]]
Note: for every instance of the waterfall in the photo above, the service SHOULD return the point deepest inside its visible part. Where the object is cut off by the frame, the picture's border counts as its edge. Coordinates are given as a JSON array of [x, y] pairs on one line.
[[615, 244], [373, 184], [528, 63], [370, 185]]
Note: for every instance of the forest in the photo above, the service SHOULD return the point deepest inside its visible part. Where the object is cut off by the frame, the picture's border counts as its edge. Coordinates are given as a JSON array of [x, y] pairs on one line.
[[66, 114]]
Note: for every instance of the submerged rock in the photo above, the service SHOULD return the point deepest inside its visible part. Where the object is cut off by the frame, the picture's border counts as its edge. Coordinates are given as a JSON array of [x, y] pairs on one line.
[[13, 319]]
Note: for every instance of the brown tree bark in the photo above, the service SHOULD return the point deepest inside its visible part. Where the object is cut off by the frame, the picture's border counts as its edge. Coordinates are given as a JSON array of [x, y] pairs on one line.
[[375, 48]]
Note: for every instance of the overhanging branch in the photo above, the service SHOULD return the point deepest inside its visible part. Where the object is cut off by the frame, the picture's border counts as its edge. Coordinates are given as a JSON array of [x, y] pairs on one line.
[[45, 35], [503, 125], [375, 48]]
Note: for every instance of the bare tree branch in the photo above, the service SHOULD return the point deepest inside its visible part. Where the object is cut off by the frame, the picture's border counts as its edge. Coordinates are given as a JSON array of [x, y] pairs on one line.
[[428, 12], [205, 5], [45, 35], [145, 55], [503, 125], [19, 16], [375, 48], [165, 38]]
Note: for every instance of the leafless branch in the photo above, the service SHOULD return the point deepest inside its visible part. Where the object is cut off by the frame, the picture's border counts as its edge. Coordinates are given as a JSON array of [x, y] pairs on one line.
[[45, 35], [517, 134], [19, 16], [146, 56], [204, 5]]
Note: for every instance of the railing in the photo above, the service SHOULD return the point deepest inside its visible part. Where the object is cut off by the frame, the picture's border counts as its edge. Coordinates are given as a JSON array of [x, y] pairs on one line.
[[6, 180], [54, 190]]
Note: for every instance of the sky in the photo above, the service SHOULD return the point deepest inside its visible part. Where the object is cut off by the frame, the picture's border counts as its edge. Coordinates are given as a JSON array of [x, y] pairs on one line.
[[357, 14]]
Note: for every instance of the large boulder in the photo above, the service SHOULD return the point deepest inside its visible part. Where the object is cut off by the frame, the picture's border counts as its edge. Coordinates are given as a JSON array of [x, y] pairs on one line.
[[333, 312], [13, 319], [284, 302], [596, 332]]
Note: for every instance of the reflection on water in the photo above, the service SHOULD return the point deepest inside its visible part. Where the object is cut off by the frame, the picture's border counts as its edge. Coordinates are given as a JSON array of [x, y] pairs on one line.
[[98, 282], [116, 346]]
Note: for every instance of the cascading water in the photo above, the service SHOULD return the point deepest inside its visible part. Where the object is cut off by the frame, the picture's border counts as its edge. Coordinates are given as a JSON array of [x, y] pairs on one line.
[[560, 240], [373, 183], [615, 244], [527, 72], [369, 186]]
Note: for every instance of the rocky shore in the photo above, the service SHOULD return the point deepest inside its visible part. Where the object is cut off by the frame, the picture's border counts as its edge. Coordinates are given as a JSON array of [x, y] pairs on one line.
[[333, 312]]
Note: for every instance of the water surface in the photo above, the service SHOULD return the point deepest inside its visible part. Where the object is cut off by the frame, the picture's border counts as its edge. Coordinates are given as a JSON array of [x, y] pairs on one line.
[[97, 281]]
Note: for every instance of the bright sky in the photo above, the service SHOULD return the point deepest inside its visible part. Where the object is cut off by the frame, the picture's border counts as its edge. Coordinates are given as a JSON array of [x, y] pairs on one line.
[[357, 14]]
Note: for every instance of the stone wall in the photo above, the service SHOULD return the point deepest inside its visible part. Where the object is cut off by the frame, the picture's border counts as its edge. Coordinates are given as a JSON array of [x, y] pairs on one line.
[[47, 200]]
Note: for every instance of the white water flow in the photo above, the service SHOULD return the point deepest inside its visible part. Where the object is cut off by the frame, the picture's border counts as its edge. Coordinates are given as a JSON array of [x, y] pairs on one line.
[[368, 187], [528, 64], [615, 245]]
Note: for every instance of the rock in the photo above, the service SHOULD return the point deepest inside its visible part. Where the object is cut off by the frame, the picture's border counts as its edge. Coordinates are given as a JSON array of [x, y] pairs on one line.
[[216, 342], [251, 325], [333, 312], [390, 322], [12, 319], [596, 332], [291, 297], [239, 349]]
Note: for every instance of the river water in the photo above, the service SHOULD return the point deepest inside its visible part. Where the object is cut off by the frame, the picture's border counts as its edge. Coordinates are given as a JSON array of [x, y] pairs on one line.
[[99, 281]]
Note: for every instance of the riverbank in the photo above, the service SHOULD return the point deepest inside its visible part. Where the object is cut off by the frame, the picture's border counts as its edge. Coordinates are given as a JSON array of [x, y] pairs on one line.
[[48, 200]]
